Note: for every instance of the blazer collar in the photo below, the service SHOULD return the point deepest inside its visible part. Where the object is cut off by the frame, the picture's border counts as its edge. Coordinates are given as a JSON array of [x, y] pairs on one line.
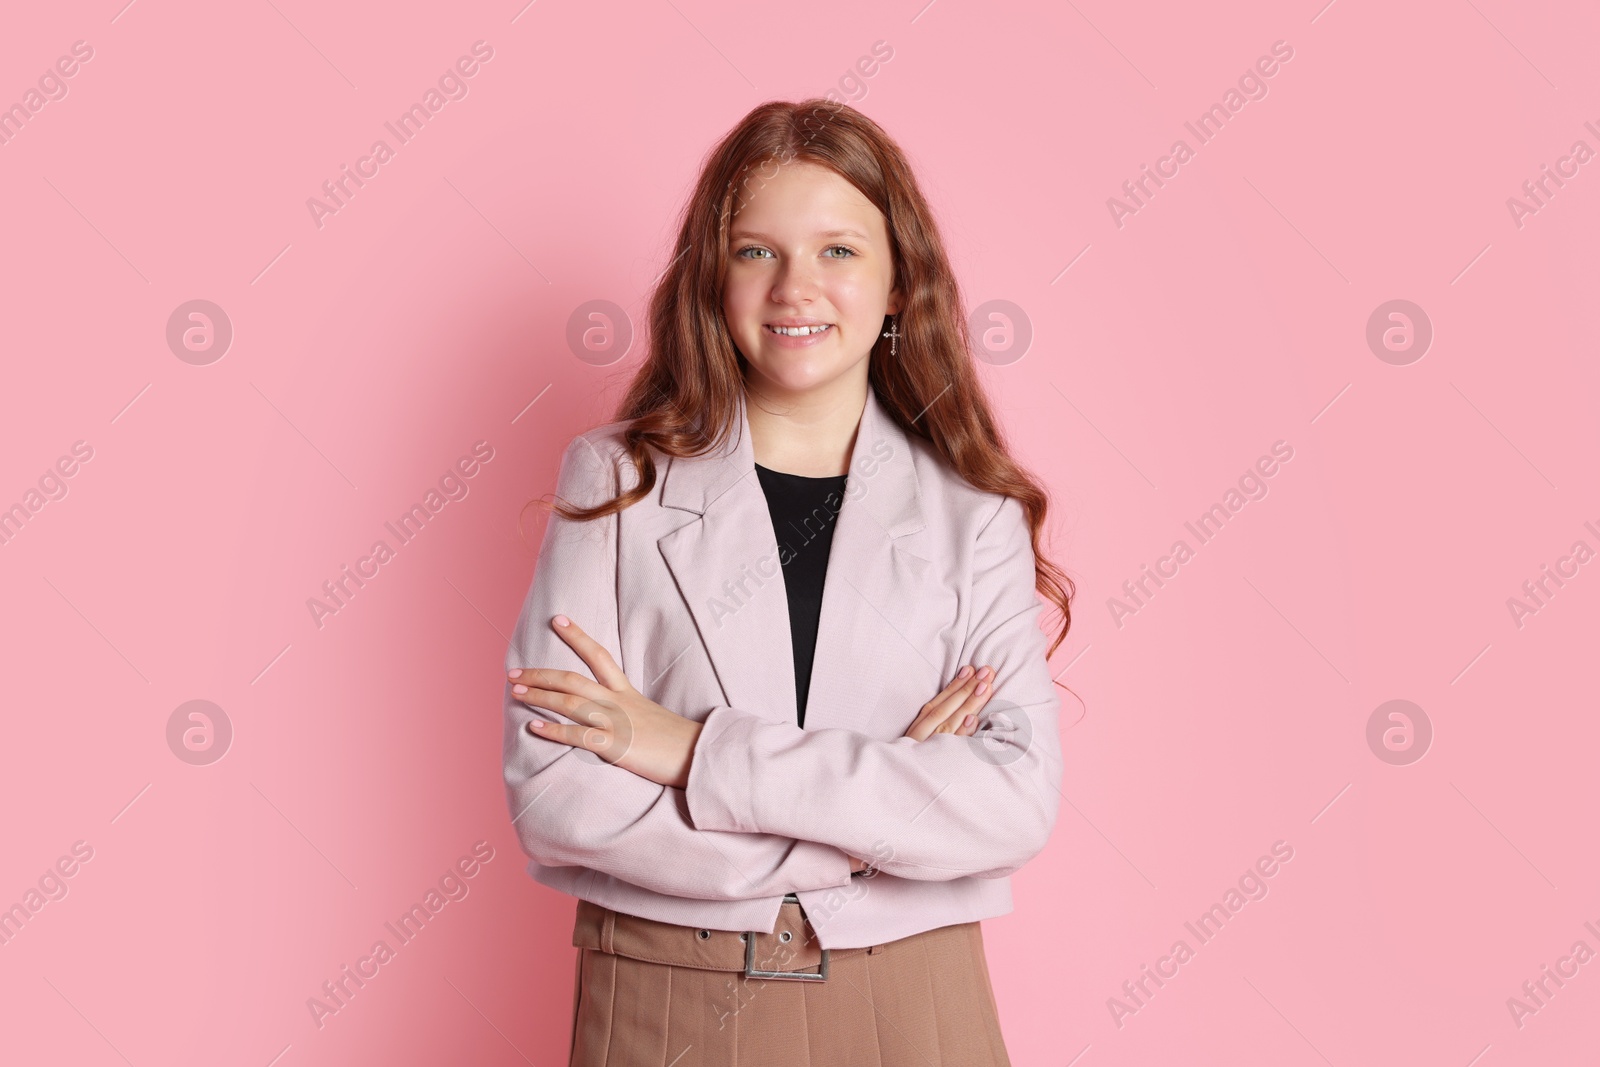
[[696, 483], [727, 569]]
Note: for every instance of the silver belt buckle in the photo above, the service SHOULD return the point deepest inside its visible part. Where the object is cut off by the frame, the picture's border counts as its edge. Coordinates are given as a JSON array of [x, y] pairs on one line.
[[751, 971]]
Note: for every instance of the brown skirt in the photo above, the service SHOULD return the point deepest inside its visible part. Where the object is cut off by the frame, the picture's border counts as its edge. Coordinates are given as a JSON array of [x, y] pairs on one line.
[[654, 994]]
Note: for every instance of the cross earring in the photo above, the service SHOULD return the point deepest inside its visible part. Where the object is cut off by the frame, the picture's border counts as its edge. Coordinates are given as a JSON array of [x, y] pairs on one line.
[[893, 334]]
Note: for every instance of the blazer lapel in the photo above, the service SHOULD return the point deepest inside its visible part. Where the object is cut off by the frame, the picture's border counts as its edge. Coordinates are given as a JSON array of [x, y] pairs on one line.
[[726, 567], [727, 570]]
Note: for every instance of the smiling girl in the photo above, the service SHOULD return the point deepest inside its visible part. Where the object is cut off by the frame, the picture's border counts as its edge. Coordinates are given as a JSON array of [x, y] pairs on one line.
[[804, 481]]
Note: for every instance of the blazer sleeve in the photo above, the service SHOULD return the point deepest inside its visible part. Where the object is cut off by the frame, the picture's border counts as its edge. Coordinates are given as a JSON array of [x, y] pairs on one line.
[[569, 807], [942, 808]]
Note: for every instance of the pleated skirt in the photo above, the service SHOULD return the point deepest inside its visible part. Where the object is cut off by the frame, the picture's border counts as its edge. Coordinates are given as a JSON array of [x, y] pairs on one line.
[[921, 1001]]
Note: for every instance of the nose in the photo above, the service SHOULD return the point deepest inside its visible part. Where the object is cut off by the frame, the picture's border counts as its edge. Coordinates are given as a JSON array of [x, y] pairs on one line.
[[795, 284]]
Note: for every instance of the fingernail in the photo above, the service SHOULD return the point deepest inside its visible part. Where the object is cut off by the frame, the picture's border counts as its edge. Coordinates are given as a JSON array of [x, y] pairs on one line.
[[524, 689], [969, 720], [963, 672], [985, 673], [562, 620], [982, 689], [513, 674], [536, 724]]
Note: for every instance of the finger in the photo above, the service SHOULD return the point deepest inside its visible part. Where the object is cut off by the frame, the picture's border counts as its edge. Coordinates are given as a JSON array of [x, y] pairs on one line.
[[610, 738], [975, 700], [577, 708], [954, 691], [593, 653], [956, 722], [557, 680], [962, 677], [969, 711], [952, 724], [938, 710], [947, 717], [569, 734]]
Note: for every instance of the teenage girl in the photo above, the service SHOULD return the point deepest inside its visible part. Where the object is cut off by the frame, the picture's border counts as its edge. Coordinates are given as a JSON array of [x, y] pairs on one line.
[[804, 478]]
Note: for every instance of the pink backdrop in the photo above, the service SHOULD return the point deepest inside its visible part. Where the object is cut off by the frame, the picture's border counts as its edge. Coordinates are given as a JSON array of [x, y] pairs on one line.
[[1440, 460]]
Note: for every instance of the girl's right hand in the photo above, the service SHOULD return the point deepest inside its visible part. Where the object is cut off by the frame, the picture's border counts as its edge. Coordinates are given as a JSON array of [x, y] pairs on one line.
[[948, 713]]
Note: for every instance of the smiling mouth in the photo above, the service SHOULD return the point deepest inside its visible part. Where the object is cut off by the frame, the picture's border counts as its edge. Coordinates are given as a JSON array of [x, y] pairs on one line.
[[798, 331]]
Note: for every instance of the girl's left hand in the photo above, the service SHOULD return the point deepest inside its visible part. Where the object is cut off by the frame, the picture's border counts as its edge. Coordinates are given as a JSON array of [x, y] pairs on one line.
[[612, 719]]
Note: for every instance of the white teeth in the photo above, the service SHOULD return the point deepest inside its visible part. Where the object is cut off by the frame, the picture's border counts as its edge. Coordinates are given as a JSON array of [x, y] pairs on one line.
[[797, 331]]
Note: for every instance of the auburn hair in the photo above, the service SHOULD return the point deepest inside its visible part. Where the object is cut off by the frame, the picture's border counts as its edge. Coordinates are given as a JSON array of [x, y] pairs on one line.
[[683, 400]]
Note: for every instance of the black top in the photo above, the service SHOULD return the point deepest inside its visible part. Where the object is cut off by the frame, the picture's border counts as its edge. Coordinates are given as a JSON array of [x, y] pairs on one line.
[[804, 511]]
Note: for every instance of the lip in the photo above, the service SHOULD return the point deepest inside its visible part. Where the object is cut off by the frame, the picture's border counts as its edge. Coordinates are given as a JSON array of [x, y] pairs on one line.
[[805, 341], [798, 322]]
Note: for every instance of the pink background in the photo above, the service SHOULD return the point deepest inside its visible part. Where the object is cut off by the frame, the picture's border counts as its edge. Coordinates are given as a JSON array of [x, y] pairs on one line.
[[1168, 354]]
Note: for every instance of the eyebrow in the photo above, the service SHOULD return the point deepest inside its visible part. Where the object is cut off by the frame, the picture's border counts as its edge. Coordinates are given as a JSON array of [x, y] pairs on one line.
[[825, 233]]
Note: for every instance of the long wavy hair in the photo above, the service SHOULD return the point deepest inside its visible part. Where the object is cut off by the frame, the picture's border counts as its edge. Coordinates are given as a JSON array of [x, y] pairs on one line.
[[683, 400]]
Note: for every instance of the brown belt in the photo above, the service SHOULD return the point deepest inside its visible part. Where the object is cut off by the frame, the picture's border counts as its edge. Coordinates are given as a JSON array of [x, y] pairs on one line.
[[789, 952]]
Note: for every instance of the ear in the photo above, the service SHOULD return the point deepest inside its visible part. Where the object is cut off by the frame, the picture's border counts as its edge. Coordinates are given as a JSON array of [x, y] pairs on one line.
[[894, 304]]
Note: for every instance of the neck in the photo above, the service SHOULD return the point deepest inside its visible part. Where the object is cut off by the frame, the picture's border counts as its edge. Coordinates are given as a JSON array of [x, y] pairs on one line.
[[810, 434]]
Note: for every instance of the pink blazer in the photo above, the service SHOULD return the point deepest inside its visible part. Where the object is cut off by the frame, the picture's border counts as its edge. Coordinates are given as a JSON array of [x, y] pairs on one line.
[[686, 591]]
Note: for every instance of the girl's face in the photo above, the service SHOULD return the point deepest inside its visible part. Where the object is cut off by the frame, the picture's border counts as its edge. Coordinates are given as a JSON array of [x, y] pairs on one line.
[[807, 249]]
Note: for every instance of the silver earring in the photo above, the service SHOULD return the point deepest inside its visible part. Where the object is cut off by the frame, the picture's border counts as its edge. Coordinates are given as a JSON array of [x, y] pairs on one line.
[[893, 334]]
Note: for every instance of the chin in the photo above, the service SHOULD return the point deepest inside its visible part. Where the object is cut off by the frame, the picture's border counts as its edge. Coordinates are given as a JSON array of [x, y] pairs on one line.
[[797, 372], [792, 383]]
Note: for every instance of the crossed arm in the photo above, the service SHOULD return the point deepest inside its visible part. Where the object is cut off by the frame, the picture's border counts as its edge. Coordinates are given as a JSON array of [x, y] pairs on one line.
[[655, 799]]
